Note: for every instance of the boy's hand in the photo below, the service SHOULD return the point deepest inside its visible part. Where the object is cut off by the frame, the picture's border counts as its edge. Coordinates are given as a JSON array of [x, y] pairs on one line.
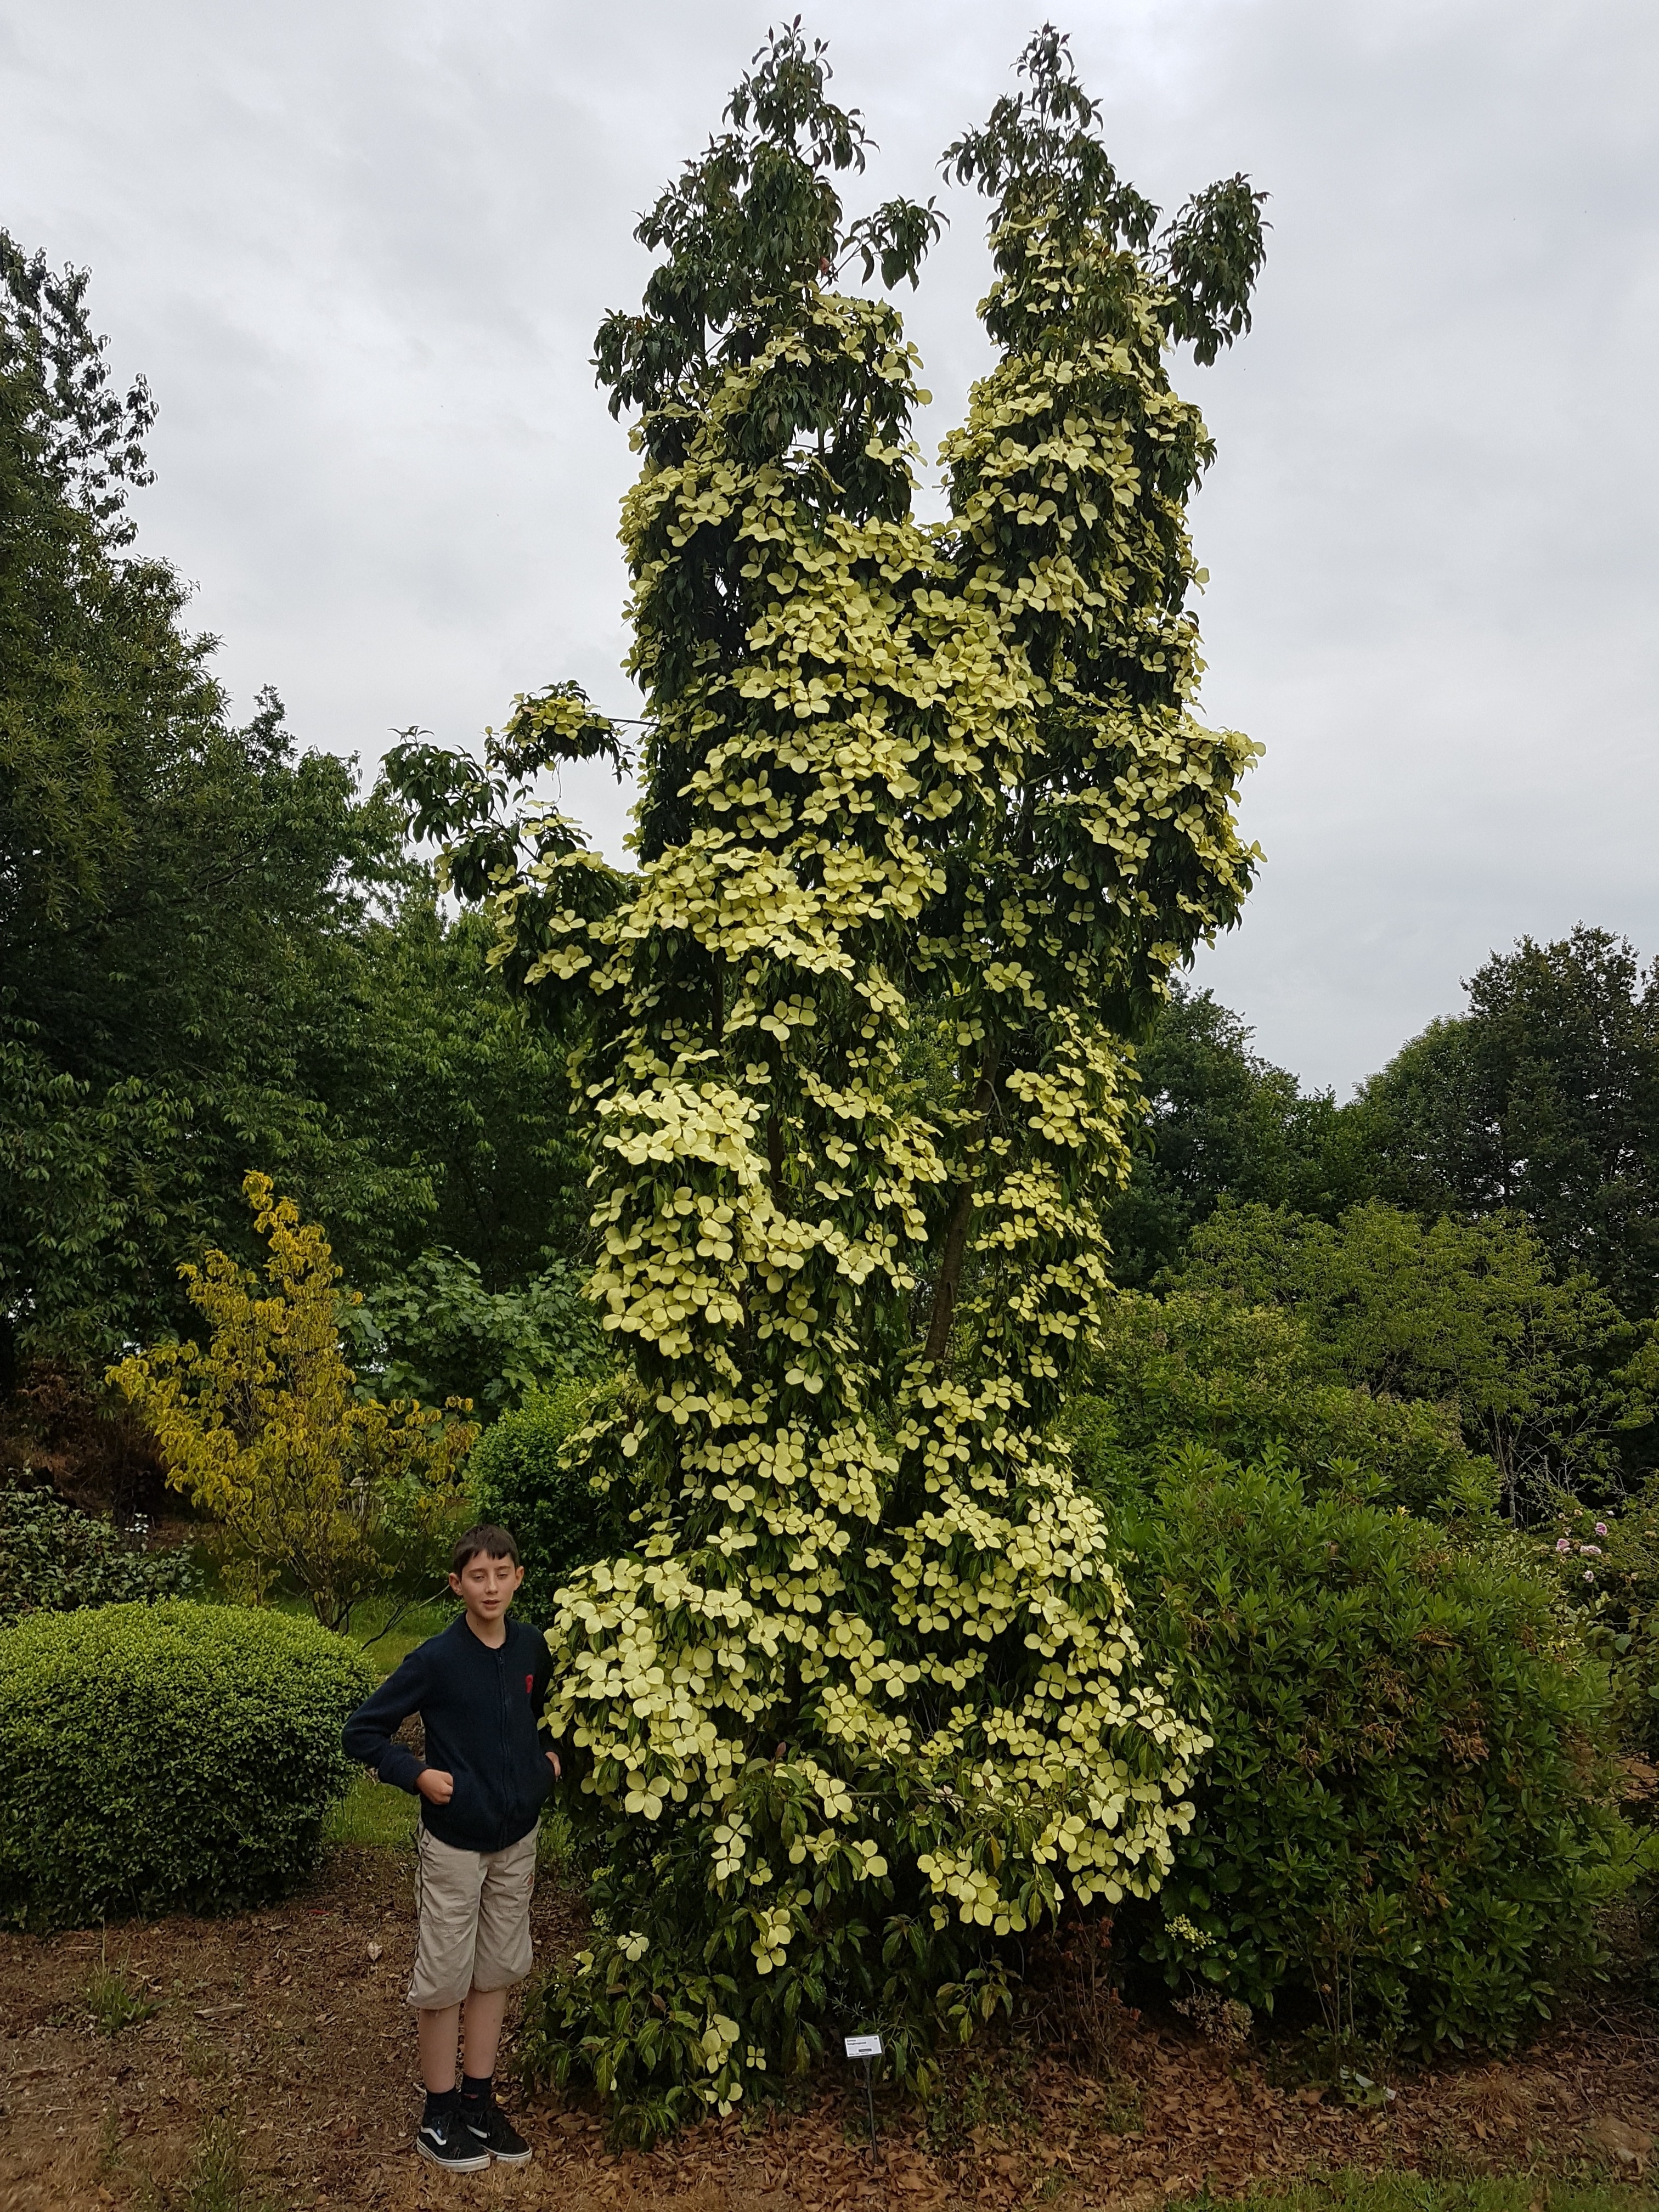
[[434, 1785], [553, 1761]]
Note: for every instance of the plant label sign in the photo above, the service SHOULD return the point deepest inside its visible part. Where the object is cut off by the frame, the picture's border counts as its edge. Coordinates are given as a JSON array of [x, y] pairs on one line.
[[864, 2046]]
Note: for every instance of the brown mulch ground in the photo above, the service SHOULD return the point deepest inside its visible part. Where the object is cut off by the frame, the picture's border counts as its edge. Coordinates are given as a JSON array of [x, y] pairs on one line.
[[282, 2036]]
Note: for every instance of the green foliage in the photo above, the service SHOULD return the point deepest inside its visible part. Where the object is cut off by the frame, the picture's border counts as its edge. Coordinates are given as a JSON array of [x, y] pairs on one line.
[[442, 1117], [1606, 1565], [166, 1758], [522, 1476], [1203, 1370], [755, 222], [1545, 1373], [69, 447], [54, 1558], [1542, 1100], [1406, 1813], [1219, 1120], [860, 1703], [435, 1333]]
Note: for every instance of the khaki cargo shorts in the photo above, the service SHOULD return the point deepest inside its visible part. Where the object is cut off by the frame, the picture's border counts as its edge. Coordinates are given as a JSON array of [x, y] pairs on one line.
[[473, 1929]]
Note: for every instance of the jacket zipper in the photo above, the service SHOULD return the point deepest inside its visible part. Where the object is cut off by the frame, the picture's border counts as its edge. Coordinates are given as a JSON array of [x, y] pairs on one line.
[[501, 1710]]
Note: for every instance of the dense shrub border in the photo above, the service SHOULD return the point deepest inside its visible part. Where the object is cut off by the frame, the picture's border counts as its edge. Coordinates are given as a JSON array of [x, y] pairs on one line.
[[519, 1476], [1605, 1562], [1407, 1811], [166, 1758], [1242, 1381], [54, 1558]]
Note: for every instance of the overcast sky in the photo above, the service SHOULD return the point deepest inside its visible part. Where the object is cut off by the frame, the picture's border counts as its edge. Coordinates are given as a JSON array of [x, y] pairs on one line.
[[360, 250]]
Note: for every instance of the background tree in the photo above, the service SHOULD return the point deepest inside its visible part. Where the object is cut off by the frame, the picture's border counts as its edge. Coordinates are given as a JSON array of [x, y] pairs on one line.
[[162, 873], [442, 1116], [1218, 1119], [305, 1480], [1544, 1371], [865, 1700], [1242, 1382], [214, 953], [434, 1331], [1542, 1100]]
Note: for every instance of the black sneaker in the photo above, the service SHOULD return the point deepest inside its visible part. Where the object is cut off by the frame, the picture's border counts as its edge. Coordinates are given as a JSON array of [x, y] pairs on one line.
[[498, 2135], [448, 2142]]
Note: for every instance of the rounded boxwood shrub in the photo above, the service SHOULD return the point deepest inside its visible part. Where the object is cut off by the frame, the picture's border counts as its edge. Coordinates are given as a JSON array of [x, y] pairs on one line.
[[1407, 1814], [166, 1758], [519, 1478]]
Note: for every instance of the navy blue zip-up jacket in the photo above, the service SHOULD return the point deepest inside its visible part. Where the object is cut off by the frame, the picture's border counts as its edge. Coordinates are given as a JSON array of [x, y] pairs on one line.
[[482, 1711]]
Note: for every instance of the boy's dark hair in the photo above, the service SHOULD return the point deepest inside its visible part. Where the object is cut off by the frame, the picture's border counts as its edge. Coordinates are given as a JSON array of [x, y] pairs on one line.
[[483, 1537]]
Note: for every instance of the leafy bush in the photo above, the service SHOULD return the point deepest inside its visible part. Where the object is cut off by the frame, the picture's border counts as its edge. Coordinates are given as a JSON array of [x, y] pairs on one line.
[[163, 1758], [435, 1332], [519, 1477], [54, 1558], [1607, 1566], [1406, 1811], [1238, 1380]]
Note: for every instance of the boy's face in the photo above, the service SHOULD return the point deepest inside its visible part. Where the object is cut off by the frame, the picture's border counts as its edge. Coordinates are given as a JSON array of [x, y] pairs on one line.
[[486, 1585]]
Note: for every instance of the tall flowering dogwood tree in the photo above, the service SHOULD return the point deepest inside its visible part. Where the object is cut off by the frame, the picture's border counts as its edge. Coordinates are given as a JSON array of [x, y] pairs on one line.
[[925, 819]]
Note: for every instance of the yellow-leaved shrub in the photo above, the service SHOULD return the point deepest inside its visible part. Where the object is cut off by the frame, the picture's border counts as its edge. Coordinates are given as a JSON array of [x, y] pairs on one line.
[[304, 1482]]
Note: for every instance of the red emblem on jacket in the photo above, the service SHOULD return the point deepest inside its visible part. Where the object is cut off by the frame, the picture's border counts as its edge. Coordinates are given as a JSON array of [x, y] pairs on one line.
[[529, 1685]]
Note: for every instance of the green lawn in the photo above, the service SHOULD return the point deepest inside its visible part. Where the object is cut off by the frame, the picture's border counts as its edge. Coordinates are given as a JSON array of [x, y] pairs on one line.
[[386, 1651], [384, 1647], [373, 1812]]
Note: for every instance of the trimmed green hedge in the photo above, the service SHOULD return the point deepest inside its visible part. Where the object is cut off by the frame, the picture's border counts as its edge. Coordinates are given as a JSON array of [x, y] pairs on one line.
[[166, 1758], [1407, 1813]]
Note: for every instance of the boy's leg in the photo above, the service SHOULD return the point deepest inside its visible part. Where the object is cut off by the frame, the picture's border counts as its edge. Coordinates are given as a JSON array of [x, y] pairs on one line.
[[482, 2032], [447, 1886], [438, 2032], [504, 1955]]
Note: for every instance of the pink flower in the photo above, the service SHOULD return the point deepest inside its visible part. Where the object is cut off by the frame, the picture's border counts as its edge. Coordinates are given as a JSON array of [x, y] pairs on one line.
[[1589, 1574], [1564, 1543], [1591, 1551], [1600, 1527]]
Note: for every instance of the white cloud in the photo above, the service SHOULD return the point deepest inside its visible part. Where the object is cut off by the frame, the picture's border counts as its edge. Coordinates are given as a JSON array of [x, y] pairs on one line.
[[361, 253]]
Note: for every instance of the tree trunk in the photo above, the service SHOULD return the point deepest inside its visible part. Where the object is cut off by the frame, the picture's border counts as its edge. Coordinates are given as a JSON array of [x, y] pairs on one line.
[[955, 1251]]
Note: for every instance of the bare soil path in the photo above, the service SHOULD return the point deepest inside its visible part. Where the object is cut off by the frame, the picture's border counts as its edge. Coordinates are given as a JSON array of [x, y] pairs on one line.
[[280, 2045]]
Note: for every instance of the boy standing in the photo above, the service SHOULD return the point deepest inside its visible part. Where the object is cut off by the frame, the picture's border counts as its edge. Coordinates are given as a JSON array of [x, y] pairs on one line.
[[479, 1688]]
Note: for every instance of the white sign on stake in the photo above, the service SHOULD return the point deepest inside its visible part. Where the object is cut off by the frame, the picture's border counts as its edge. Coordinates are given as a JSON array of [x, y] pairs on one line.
[[864, 2046]]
